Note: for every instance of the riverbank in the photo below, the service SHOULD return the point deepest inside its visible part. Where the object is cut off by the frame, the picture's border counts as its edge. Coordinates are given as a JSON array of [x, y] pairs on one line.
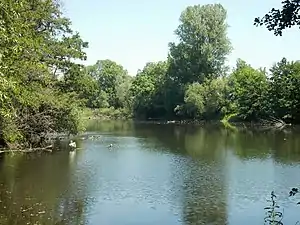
[[229, 121], [111, 114]]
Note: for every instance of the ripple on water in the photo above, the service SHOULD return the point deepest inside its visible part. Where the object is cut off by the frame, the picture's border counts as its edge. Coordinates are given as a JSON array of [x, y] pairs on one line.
[[149, 179]]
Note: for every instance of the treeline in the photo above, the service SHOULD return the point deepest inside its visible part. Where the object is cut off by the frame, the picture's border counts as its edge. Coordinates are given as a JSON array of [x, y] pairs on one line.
[[194, 82], [247, 93], [43, 90]]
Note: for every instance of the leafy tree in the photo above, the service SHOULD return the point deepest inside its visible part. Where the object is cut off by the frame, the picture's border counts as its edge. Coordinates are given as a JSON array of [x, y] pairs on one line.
[[148, 90], [36, 41], [203, 44], [199, 55], [206, 100], [109, 76], [123, 92], [249, 89], [285, 90], [278, 20], [79, 82]]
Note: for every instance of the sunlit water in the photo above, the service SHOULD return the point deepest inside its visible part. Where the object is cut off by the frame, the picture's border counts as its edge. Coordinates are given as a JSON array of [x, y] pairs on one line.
[[154, 174]]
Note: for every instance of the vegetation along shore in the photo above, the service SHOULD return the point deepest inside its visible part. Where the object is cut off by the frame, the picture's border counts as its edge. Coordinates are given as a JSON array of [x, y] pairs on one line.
[[44, 91]]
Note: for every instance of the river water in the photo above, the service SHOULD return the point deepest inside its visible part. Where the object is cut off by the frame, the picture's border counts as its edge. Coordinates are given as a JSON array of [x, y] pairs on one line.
[[154, 174]]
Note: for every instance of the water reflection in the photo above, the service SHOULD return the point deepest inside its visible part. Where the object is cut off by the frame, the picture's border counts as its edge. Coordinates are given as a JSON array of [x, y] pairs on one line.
[[37, 189], [153, 174], [199, 183], [239, 167]]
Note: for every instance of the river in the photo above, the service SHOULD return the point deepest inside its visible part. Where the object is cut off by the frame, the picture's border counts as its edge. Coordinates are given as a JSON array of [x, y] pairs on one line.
[[154, 174]]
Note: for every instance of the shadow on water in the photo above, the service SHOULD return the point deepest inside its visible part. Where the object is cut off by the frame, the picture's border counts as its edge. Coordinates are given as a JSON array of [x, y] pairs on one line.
[[40, 189], [206, 142]]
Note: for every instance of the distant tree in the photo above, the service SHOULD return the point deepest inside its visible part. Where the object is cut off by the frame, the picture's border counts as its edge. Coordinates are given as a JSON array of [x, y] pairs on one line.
[[110, 76], [277, 20], [148, 90]]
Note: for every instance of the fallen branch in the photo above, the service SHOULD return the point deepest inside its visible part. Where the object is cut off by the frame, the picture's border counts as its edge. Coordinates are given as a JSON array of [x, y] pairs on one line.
[[47, 149]]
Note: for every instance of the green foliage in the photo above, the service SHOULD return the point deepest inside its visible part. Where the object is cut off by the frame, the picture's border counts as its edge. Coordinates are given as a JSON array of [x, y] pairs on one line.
[[148, 90], [42, 89], [278, 20], [36, 44], [78, 81], [205, 101], [123, 98], [192, 83], [112, 113], [200, 54], [104, 87], [107, 113], [159, 89], [111, 78], [248, 89], [273, 215], [203, 44], [285, 91]]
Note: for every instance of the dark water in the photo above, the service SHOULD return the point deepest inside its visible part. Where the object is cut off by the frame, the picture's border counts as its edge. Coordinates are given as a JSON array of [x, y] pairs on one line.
[[154, 174]]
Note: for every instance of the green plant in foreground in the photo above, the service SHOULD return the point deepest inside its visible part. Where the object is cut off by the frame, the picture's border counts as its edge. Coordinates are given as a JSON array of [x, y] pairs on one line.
[[273, 216]]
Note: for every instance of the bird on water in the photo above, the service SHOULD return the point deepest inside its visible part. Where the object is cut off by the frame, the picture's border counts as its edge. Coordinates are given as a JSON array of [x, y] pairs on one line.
[[72, 144]]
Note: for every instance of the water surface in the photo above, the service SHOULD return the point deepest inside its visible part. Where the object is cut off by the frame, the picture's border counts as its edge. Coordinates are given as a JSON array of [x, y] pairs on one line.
[[154, 174]]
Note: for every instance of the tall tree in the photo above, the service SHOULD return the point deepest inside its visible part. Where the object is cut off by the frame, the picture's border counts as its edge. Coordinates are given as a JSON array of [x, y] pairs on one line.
[[203, 44], [201, 52], [279, 19]]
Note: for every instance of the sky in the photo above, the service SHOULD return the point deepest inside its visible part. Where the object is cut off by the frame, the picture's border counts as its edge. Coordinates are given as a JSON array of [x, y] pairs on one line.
[[134, 32]]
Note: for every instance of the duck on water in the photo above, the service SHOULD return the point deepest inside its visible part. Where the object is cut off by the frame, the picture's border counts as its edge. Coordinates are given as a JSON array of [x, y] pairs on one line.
[[72, 144]]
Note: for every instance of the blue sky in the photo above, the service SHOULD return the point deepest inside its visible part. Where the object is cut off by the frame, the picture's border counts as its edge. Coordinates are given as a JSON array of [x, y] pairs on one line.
[[134, 32]]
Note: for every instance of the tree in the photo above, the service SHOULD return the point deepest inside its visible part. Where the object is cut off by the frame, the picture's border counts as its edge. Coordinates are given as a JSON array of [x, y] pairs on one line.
[[123, 92], [278, 20], [204, 101], [285, 90], [249, 92], [36, 41], [200, 54], [86, 88], [109, 76], [148, 90], [203, 44]]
